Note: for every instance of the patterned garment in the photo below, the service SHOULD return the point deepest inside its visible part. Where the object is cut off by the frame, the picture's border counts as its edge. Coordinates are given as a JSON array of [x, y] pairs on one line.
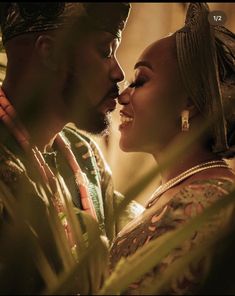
[[14, 175], [187, 203]]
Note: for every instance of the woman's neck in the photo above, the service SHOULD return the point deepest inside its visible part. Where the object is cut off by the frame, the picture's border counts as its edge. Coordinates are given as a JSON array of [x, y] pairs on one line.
[[197, 154]]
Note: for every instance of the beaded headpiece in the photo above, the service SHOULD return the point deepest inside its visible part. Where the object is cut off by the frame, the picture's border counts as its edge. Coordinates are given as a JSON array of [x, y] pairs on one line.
[[206, 57], [25, 17]]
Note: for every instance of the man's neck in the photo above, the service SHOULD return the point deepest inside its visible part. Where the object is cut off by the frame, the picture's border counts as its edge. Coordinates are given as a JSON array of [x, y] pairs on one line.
[[41, 122]]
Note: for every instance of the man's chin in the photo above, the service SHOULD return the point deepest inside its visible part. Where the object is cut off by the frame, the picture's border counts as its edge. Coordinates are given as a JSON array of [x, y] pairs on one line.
[[96, 125]]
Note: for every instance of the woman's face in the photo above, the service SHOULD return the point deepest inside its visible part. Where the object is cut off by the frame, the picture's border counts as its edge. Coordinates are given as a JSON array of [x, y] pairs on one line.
[[152, 104]]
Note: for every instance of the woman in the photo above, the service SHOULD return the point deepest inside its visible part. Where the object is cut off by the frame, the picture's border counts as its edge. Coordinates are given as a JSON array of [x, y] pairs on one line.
[[182, 83]]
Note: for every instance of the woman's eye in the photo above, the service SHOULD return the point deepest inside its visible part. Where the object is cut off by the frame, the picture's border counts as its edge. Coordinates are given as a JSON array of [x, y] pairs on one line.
[[137, 83]]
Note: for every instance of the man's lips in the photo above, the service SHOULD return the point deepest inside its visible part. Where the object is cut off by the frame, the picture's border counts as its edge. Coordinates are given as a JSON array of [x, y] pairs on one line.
[[110, 105], [109, 102], [112, 94]]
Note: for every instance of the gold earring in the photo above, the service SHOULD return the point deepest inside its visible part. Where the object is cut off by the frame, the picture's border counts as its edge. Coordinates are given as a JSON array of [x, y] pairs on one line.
[[185, 120]]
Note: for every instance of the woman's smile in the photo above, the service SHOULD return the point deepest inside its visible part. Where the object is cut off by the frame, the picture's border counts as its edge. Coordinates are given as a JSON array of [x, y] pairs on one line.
[[126, 120]]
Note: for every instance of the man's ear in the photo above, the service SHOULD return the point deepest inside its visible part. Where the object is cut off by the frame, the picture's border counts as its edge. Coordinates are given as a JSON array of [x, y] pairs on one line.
[[45, 49]]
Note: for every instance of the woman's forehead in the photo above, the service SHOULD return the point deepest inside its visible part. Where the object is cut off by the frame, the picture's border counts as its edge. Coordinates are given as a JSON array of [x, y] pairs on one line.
[[161, 51]]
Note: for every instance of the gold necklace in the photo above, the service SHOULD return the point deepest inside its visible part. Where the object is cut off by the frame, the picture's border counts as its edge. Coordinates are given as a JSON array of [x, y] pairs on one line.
[[184, 175]]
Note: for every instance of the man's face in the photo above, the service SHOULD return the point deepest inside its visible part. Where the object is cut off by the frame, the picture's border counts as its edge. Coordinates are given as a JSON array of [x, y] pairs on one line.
[[91, 85]]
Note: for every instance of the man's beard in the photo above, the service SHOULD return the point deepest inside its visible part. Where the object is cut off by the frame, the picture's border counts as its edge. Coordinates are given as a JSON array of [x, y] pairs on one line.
[[90, 120], [94, 122]]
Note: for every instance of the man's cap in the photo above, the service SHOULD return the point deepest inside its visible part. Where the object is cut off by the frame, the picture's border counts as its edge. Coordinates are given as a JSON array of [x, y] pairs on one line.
[[25, 17]]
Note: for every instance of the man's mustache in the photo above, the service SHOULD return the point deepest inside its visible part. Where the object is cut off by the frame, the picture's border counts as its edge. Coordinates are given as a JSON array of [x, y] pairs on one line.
[[113, 93]]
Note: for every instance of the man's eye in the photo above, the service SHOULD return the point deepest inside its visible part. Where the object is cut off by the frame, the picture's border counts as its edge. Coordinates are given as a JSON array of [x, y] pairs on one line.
[[107, 54]]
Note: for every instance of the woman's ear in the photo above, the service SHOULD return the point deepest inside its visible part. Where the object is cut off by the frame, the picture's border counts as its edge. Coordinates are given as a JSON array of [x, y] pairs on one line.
[[45, 49]]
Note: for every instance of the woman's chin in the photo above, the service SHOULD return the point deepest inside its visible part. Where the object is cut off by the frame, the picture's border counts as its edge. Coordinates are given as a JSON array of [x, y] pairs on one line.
[[126, 146]]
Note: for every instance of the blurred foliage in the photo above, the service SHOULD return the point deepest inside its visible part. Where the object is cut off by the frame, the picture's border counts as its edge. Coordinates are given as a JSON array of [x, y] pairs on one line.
[[3, 61], [87, 272]]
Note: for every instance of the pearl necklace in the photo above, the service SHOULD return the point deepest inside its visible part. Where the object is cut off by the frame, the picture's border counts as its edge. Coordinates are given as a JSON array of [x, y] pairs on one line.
[[174, 181]]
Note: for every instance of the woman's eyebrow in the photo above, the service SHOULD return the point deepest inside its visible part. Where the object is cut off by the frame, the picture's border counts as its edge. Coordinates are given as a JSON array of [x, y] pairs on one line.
[[143, 63]]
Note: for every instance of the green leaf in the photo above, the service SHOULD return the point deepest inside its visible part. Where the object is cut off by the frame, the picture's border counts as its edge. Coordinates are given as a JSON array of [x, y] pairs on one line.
[[87, 276]]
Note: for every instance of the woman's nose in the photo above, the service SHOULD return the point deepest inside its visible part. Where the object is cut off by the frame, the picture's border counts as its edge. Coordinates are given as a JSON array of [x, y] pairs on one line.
[[124, 97]]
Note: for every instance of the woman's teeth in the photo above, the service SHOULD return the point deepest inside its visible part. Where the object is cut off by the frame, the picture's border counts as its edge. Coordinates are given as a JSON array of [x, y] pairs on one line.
[[125, 119]]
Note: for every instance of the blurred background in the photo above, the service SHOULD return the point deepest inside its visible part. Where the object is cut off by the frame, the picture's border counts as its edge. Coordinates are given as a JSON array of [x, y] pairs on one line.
[[147, 23]]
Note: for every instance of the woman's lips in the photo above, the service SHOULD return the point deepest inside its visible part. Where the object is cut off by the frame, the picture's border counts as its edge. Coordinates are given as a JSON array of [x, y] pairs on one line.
[[126, 120]]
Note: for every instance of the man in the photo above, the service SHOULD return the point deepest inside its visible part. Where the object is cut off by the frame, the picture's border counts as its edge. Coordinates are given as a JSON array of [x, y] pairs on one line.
[[61, 68]]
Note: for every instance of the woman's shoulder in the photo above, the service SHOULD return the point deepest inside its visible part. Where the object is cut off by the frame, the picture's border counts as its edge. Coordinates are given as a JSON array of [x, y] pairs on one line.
[[200, 194], [197, 192], [208, 187], [217, 180]]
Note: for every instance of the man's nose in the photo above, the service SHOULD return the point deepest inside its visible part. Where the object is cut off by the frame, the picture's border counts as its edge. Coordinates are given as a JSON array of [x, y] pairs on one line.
[[117, 72], [124, 97]]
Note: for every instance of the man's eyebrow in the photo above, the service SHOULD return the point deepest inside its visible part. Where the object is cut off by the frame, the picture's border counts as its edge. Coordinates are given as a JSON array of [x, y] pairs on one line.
[[144, 64]]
